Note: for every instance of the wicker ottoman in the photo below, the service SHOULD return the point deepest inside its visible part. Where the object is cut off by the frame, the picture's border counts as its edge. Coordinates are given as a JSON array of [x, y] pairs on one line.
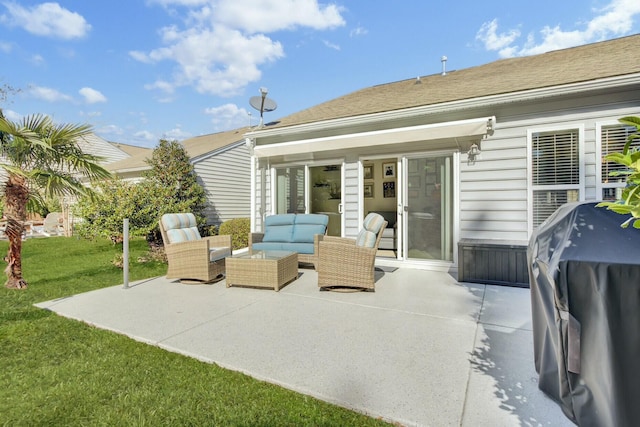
[[262, 269]]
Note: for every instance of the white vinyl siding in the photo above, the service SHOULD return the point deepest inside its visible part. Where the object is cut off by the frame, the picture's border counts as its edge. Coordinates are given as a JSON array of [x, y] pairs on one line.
[[556, 171], [493, 191], [350, 199], [612, 139], [225, 176]]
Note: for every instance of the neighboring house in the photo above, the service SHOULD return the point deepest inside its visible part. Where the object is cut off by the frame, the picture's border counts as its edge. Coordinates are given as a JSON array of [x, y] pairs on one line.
[[221, 162], [469, 162], [108, 151]]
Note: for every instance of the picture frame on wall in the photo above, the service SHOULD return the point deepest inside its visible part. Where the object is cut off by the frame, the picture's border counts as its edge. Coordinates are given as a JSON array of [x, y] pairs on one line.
[[368, 171], [389, 189], [388, 170], [368, 190]]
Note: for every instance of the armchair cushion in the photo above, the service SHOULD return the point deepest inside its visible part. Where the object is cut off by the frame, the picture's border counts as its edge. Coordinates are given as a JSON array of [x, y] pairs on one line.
[[366, 239], [373, 222], [180, 227], [216, 254], [183, 235]]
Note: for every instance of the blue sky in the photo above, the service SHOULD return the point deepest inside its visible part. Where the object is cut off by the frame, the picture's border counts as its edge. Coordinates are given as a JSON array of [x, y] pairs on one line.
[[141, 70]]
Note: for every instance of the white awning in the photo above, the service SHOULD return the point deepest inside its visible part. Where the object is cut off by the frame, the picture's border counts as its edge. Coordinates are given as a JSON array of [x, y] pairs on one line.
[[455, 129]]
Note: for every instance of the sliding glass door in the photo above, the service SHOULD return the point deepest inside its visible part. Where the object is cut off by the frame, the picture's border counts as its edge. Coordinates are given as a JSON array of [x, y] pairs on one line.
[[311, 189], [325, 184], [428, 208], [290, 186]]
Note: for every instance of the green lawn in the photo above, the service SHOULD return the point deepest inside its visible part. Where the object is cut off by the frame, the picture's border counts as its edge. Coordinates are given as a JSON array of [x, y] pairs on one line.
[[60, 372]]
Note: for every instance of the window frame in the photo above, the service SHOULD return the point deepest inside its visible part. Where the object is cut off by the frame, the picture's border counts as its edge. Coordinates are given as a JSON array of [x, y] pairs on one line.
[[580, 186], [600, 184]]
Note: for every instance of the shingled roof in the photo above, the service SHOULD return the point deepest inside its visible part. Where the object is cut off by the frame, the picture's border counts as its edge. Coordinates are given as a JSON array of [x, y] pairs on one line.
[[585, 63], [194, 147]]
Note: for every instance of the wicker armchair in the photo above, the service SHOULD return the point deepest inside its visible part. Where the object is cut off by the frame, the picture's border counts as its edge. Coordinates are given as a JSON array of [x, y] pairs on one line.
[[350, 263], [192, 258]]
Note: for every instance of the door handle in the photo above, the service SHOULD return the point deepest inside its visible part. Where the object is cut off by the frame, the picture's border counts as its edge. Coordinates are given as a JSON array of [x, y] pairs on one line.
[[339, 208]]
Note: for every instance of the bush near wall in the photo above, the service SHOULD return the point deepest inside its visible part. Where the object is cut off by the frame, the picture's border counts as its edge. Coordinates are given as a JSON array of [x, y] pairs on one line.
[[239, 229]]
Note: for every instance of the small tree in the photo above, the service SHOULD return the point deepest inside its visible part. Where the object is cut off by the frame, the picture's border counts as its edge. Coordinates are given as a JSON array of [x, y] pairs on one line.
[[172, 171], [170, 186], [629, 204], [103, 215]]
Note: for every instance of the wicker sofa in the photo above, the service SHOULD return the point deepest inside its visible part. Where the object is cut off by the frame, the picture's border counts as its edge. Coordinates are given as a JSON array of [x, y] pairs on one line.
[[355, 257], [192, 258], [292, 232]]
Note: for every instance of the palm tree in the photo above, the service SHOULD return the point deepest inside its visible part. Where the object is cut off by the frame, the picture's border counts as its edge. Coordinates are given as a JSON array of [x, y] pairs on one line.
[[39, 159]]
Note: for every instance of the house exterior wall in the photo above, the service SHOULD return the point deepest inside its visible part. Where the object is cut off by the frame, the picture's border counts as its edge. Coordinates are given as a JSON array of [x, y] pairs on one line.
[[494, 194], [225, 176]]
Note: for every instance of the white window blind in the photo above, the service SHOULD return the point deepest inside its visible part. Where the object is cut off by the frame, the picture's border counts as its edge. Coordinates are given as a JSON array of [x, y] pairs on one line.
[[612, 140], [556, 171]]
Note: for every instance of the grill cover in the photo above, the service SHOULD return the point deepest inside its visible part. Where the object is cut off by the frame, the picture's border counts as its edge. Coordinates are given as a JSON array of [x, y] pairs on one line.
[[584, 272]]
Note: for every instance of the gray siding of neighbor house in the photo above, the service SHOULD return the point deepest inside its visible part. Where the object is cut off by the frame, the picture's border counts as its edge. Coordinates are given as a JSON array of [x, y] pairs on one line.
[[226, 177]]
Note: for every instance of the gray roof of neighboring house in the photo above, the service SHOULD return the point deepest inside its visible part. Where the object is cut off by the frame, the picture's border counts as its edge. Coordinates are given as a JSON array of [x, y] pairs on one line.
[[97, 146], [585, 63], [132, 150], [204, 144], [195, 147]]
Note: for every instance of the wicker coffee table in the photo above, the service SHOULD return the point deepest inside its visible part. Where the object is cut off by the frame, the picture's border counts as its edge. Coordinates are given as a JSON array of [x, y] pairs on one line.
[[263, 269]]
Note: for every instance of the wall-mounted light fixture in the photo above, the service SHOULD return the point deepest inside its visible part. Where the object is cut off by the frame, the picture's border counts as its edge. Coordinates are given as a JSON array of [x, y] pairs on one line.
[[250, 143], [473, 153]]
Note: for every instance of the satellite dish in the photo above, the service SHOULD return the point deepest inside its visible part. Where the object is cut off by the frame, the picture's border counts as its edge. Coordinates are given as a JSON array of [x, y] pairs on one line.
[[269, 104], [262, 103]]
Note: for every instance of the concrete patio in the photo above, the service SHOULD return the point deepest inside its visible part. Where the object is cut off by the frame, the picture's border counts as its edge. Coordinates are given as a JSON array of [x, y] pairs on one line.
[[422, 350]]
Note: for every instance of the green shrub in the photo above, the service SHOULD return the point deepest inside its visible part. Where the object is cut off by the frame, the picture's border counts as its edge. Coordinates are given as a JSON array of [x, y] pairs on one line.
[[239, 229]]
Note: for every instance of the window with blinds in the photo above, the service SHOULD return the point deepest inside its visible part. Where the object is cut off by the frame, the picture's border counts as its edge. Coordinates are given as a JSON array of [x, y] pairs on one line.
[[612, 139], [556, 171]]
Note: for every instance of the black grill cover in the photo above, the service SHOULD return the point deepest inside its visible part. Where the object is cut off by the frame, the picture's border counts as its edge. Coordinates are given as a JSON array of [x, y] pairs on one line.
[[584, 272]]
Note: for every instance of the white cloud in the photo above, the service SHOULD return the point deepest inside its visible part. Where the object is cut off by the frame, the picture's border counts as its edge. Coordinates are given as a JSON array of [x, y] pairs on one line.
[[12, 115], [176, 134], [47, 94], [37, 60], [46, 19], [229, 116], [92, 96], [488, 34], [234, 33], [180, 2], [228, 64], [145, 135], [331, 45], [614, 20], [358, 31], [264, 16]]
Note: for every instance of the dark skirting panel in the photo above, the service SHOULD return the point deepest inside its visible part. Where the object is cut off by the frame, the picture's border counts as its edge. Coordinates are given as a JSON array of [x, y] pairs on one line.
[[493, 262]]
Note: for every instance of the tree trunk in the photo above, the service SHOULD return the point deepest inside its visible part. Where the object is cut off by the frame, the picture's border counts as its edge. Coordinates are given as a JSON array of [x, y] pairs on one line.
[[16, 196]]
